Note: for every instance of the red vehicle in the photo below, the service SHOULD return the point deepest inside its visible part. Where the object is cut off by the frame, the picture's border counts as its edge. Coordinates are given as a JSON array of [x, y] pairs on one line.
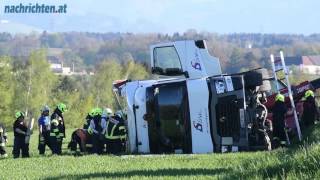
[[297, 93]]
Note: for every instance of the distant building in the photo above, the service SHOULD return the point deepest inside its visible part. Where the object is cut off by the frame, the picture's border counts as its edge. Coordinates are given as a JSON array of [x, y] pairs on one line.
[[306, 64], [56, 64], [311, 64], [57, 67]]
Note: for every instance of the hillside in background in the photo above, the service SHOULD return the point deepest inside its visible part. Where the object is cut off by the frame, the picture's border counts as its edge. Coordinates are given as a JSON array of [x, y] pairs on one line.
[[237, 52]]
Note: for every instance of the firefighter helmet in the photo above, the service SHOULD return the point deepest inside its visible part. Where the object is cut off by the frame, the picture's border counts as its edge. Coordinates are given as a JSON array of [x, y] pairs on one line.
[[308, 93], [19, 114], [108, 111], [45, 108], [279, 97], [97, 111], [91, 113], [62, 107]]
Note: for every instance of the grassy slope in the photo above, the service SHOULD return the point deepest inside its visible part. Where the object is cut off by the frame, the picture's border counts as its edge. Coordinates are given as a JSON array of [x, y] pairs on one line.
[[301, 162]]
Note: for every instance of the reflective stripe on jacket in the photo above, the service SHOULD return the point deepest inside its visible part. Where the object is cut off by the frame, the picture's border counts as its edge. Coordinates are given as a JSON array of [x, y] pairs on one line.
[[115, 130]]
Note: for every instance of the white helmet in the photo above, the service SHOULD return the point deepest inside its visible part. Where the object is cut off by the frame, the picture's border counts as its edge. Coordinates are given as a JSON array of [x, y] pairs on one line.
[[45, 108], [107, 112]]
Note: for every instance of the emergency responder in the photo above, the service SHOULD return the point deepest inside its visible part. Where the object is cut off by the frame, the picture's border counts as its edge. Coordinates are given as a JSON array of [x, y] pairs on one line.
[[97, 130], [20, 132], [279, 111], [115, 134], [106, 114], [57, 131], [3, 141], [44, 130], [310, 109]]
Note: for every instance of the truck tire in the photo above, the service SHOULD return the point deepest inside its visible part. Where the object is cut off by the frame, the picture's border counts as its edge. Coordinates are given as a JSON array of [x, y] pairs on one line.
[[258, 77], [252, 79]]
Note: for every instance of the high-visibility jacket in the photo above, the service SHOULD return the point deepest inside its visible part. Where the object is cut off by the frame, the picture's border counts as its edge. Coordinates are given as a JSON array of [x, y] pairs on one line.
[[116, 129], [57, 125], [97, 126]]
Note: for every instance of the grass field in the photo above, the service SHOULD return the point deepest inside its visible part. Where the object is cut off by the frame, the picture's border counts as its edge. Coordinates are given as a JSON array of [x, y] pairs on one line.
[[299, 162]]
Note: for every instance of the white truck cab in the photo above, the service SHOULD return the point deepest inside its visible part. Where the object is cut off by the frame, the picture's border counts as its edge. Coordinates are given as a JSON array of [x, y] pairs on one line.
[[193, 108], [190, 58]]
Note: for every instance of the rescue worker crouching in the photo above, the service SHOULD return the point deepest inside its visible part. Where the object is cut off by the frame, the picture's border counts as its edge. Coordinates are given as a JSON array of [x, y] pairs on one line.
[[44, 130], [20, 133], [310, 109], [116, 134], [97, 129], [57, 131], [279, 111], [3, 141]]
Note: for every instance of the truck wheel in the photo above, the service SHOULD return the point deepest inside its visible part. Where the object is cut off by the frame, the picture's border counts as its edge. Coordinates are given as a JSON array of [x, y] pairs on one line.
[[252, 79], [258, 77]]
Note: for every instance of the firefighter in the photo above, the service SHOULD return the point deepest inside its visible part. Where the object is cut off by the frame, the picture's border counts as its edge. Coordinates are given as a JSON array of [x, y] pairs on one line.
[[279, 111], [57, 131], [3, 141], [115, 134], [310, 110], [20, 132], [97, 129], [44, 130]]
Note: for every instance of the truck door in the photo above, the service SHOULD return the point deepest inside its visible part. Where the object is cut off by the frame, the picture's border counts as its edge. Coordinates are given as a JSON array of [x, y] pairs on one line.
[[168, 118]]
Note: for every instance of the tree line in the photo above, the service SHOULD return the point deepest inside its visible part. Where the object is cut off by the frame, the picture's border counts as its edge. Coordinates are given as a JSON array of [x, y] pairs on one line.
[[236, 51], [29, 85]]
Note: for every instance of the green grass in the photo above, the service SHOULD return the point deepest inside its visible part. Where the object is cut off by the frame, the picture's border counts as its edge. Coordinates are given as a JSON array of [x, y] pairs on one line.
[[299, 162]]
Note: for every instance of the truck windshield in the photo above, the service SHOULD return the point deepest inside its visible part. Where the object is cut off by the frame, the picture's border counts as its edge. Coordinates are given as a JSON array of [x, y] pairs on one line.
[[166, 58]]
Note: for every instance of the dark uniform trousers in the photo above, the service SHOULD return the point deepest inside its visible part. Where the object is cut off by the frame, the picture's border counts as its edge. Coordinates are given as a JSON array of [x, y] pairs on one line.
[[43, 142], [20, 145]]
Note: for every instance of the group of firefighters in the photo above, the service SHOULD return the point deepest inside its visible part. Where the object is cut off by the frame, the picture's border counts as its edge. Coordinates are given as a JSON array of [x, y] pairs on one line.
[[309, 114], [102, 128]]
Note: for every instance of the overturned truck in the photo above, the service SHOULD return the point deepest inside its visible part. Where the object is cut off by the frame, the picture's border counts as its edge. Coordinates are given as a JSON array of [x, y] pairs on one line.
[[192, 107]]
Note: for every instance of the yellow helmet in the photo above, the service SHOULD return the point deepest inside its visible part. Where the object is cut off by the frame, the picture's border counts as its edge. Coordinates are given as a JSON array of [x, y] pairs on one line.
[[279, 97], [308, 93]]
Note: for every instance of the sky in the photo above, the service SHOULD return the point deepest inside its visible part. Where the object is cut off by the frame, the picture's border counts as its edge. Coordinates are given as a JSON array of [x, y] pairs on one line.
[[169, 16]]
